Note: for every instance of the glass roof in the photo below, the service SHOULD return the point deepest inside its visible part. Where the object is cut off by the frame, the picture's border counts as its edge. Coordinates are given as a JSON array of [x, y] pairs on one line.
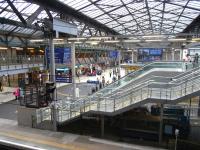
[[135, 17], [140, 16]]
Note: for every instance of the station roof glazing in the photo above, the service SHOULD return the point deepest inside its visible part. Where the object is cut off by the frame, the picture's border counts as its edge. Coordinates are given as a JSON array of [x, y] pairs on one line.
[[137, 17], [140, 16]]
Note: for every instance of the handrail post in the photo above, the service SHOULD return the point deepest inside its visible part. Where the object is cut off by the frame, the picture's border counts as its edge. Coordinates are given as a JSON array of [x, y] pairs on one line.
[[171, 93], [114, 105], [160, 93], [185, 87]]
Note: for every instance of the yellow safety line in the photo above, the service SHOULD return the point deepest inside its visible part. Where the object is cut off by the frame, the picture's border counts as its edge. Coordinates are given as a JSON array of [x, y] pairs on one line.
[[39, 141]]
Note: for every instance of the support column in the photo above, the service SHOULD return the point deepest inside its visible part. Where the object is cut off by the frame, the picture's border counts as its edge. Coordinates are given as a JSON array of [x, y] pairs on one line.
[[161, 124], [199, 108], [181, 54], [132, 56], [102, 126], [119, 64], [73, 70], [53, 79], [172, 54]]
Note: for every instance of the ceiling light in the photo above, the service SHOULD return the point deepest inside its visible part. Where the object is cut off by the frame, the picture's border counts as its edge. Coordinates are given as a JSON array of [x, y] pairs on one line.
[[3, 48], [76, 39], [92, 42], [131, 41], [158, 40], [37, 40], [30, 48], [78, 42], [112, 41], [195, 39], [152, 36], [174, 40], [100, 38], [17, 48], [58, 39]]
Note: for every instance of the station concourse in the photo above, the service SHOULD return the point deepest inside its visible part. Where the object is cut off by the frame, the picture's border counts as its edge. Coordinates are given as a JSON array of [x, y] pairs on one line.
[[99, 74]]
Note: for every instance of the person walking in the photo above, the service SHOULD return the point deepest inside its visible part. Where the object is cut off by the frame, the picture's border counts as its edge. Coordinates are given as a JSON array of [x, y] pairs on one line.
[[110, 73], [1, 87], [196, 60], [16, 93], [103, 81]]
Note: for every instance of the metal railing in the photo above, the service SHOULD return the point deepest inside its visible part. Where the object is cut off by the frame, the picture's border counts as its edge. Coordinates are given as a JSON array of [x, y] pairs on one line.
[[18, 60], [120, 100], [114, 100]]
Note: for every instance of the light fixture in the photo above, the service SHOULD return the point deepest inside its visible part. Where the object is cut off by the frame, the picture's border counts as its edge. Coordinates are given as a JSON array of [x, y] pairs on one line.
[[58, 39], [17, 48], [37, 40], [92, 42], [76, 39], [174, 40], [78, 42], [30, 48], [131, 41], [195, 39], [3, 48], [156, 40], [152, 36], [112, 41], [100, 38]]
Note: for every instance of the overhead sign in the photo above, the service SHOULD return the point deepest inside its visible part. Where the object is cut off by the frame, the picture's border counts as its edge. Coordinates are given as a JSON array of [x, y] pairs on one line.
[[113, 54], [62, 55], [64, 27], [149, 54]]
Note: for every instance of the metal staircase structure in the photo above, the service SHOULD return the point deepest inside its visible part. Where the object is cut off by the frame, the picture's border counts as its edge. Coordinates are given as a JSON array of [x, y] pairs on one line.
[[125, 94]]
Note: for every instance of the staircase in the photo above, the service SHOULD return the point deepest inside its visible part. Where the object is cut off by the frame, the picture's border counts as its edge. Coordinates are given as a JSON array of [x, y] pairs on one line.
[[125, 94]]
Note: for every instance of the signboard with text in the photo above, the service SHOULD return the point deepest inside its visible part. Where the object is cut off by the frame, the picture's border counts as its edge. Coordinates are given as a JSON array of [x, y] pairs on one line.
[[62, 55]]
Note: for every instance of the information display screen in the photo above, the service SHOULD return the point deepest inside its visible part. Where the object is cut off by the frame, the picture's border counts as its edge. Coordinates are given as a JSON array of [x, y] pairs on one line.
[[149, 54], [62, 55]]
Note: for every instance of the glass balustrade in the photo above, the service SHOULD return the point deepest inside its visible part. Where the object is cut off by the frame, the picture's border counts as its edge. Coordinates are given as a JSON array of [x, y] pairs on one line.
[[6, 61], [117, 100]]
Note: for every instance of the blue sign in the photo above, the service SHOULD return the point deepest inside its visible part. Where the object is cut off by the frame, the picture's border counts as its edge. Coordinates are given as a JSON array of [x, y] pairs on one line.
[[63, 79], [113, 54], [150, 54], [62, 55]]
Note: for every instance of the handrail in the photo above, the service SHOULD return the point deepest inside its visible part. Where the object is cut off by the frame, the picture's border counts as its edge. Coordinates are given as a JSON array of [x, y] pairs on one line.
[[135, 72]]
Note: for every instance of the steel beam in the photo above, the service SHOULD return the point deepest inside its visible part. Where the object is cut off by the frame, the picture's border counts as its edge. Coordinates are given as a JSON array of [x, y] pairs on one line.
[[192, 25], [111, 16], [18, 24], [197, 9], [132, 16], [148, 11], [162, 16], [16, 12], [31, 18], [62, 8], [180, 15]]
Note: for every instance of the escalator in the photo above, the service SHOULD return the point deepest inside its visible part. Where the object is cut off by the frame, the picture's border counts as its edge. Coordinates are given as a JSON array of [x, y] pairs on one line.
[[134, 90]]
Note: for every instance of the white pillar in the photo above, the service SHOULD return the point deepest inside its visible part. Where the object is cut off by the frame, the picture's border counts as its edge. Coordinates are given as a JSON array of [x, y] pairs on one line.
[[132, 56], [52, 60], [166, 53], [73, 70], [172, 54], [53, 79], [119, 63], [181, 54]]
